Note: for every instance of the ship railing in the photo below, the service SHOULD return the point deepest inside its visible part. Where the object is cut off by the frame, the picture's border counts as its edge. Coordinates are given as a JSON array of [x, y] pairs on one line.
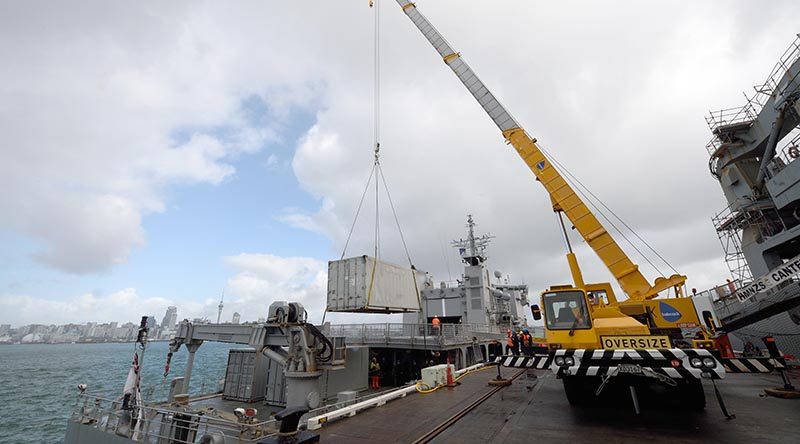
[[388, 333], [755, 102], [713, 145], [725, 296], [731, 116], [786, 60], [162, 424], [721, 292]]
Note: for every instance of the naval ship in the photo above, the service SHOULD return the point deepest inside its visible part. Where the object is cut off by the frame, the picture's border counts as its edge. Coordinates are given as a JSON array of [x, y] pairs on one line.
[[753, 155], [288, 361]]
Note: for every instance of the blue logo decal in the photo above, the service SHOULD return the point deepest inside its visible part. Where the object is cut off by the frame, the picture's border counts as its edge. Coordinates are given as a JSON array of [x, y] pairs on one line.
[[540, 165], [668, 312]]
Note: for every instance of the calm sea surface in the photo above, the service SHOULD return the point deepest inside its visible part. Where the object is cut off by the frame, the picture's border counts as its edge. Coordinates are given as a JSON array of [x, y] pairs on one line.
[[38, 383]]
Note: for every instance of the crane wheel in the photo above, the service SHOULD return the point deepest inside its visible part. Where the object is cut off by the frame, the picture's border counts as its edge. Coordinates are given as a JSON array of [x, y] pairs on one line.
[[692, 396], [578, 390]]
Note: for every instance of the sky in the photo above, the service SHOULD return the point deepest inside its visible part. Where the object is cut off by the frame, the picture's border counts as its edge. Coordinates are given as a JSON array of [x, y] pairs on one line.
[[158, 154]]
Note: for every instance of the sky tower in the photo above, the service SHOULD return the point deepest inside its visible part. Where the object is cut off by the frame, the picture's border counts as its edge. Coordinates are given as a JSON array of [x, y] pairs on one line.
[[219, 313]]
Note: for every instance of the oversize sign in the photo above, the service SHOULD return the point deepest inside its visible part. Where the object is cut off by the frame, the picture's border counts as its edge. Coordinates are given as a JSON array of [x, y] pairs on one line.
[[771, 279], [628, 342]]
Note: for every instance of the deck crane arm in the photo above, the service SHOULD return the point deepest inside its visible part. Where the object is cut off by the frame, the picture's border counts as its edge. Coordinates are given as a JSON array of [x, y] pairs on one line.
[[564, 198]]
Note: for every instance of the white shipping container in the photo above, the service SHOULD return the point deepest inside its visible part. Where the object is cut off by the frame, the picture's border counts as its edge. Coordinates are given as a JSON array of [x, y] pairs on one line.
[[365, 285]]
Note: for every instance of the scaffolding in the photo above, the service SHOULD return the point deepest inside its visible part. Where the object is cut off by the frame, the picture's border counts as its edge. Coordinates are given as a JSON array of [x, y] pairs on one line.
[[730, 223], [731, 240]]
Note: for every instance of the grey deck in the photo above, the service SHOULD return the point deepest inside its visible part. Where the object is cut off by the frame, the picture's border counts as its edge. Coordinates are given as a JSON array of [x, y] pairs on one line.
[[537, 411], [225, 407]]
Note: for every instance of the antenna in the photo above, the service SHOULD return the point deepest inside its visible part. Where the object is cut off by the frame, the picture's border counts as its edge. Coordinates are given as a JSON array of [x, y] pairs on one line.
[[472, 249]]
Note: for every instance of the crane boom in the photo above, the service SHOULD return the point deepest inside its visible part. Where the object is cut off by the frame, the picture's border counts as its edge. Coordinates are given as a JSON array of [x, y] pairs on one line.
[[564, 198]]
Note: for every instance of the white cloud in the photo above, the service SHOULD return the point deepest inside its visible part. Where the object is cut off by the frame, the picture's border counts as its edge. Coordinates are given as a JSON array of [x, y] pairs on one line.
[[99, 116], [262, 279], [616, 92], [121, 306]]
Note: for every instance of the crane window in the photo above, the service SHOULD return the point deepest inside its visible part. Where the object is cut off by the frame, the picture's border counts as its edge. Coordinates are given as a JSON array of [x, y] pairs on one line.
[[597, 297], [566, 310]]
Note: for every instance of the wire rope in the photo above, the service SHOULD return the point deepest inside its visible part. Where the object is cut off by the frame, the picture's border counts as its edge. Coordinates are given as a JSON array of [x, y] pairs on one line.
[[581, 188], [396, 219], [358, 211], [376, 166]]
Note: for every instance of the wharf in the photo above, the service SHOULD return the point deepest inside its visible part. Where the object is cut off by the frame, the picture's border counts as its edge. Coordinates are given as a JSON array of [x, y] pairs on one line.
[[534, 408]]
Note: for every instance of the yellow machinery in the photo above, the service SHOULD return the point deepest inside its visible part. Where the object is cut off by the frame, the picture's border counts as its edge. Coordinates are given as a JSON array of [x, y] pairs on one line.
[[593, 336]]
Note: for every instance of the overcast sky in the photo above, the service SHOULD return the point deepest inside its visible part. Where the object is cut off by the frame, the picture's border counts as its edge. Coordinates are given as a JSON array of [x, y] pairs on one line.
[[155, 153]]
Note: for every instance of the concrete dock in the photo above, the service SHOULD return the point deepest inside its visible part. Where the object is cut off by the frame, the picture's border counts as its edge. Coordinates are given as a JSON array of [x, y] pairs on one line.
[[534, 408]]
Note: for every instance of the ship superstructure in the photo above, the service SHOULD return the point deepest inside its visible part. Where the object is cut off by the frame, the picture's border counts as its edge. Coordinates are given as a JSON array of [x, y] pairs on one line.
[[474, 298], [753, 155]]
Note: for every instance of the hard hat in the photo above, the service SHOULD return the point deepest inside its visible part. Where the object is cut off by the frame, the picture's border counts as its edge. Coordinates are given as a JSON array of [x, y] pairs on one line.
[[525, 330]]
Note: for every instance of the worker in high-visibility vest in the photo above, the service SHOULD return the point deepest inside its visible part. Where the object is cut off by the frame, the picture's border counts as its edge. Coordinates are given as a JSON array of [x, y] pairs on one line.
[[436, 322], [512, 343], [374, 374], [527, 343]]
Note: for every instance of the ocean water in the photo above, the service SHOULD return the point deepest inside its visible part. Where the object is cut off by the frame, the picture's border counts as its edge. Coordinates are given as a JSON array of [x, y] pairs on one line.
[[38, 383]]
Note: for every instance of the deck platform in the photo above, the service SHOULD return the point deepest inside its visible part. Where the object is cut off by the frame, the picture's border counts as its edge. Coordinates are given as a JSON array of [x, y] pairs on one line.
[[534, 408]]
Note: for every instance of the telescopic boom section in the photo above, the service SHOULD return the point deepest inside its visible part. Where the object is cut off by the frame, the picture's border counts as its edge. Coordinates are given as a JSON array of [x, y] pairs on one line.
[[564, 198]]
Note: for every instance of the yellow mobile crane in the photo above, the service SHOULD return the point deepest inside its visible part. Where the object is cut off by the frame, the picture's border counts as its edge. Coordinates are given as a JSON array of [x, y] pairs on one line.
[[593, 336]]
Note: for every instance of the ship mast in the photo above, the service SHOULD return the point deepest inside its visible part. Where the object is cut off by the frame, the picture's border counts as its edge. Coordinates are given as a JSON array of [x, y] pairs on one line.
[[472, 249]]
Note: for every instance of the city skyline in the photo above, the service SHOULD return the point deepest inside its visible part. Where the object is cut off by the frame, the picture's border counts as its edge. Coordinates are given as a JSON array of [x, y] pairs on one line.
[[170, 319], [99, 331]]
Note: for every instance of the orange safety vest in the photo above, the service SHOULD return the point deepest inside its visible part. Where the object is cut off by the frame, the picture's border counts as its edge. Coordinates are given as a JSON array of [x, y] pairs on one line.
[[527, 340], [509, 339], [436, 322]]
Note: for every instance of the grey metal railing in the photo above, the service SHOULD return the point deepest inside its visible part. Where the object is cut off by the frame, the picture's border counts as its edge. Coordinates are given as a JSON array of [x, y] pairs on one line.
[[165, 425], [389, 333], [755, 102]]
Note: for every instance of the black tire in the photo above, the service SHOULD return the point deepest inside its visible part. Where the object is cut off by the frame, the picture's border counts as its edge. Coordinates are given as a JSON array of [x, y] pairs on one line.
[[577, 391], [692, 395]]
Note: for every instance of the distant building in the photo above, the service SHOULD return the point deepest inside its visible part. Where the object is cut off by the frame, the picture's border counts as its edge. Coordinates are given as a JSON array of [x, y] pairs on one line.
[[219, 313], [6, 328], [170, 318], [111, 330], [236, 318]]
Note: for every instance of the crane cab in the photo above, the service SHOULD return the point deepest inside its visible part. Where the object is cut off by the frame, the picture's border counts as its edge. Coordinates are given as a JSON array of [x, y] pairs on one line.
[[577, 318], [567, 317]]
